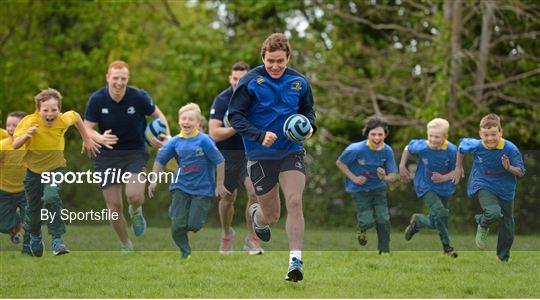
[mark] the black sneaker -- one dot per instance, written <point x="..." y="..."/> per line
<point x="263" y="232"/>
<point x="448" y="250"/>
<point x="411" y="229"/>
<point x="362" y="238"/>
<point x="295" y="273"/>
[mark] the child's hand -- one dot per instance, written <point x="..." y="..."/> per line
<point x="457" y="175"/>
<point x="505" y="162"/>
<point x="108" y="139"/>
<point x="151" y="189"/>
<point x="404" y="174"/>
<point x="437" y="177"/>
<point x="360" y="180"/>
<point x="91" y="148"/>
<point x="381" y="173"/>
<point x="157" y="144"/>
<point x="31" y="131"/>
<point x="269" y="139"/>
<point x="222" y="191"/>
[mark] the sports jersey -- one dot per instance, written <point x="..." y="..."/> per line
<point x="217" y="112"/>
<point x="11" y="167"/>
<point x="261" y="103"/>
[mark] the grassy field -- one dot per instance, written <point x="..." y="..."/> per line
<point x="336" y="270"/>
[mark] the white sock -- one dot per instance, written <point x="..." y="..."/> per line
<point x="295" y="253"/>
<point x="127" y="244"/>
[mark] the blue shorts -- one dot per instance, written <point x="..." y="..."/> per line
<point x="127" y="161"/>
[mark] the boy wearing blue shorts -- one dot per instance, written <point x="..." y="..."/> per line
<point x="496" y="164"/>
<point x="195" y="182"/>
<point x="432" y="180"/>
<point x="368" y="165"/>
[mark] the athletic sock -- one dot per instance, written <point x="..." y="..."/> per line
<point x="295" y="253"/>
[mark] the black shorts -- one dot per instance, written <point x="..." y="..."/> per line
<point x="127" y="161"/>
<point x="265" y="173"/>
<point x="235" y="171"/>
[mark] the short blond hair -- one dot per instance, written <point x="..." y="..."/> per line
<point x="491" y="120"/>
<point x="48" y="94"/>
<point x="439" y="123"/>
<point x="190" y="107"/>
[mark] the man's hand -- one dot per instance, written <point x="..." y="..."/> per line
<point x="269" y="139"/>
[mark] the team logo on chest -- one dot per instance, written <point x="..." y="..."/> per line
<point x="260" y="80"/>
<point x="199" y="152"/>
<point x="296" y="86"/>
<point x="425" y="161"/>
<point x="361" y="162"/>
<point x="104" y="111"/>
<point x="131" y="110"/>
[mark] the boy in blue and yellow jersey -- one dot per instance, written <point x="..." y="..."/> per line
<point x="12" y="198"/>
<point x="196" y="183"/>
<point x="432" y="180"/>
<point x="496" y="163"/>
<point x="42" y="134"/>
<point x="264" y="98"/>
<point x="368" y="165"/>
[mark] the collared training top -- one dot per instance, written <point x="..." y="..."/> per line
<point x="488" y="171"/>
<point x="261" y="103"/>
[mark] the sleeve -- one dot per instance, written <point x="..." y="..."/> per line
<point x="69" y="118"/>
<point x="306" y="107"/>
<point x="414" y="146"/>
<point x="467" y="145"/>
<point x="348" y="156"/>
<point x="148" y="106"/>
<point x="167" y="152"/>
<point x="212" y="151"/>
<point x="390" y="166"/>
<point x="516" y="159"/>
<point x="3" y="133"/>
<point x="23" y="126"/>
<point x="4" y="147"/>
<point x="238" y="111"/>
<point x="91" y="113"/>
<point x="217" y="111"/>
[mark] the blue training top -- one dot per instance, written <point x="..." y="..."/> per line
<point x="362" y="160"/>
<point x="126" y="119"/>
<point x="488" y="171"/>
<point x="430" y="160"/>
<point x="261" y="103"/>
<point x="217" y="112"/>
<point x="197" y="159"/>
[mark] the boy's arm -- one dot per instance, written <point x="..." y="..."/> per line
<point x="458" y="171"/>
<point x="345" y="170"/>
<point x="89" y="145"/>
<point x="517" y="171"/>
<point x="220" y="180"/>
<point x="404" y="174"/>
<point x="21" y="140"/>
<point x="158" y="168"/>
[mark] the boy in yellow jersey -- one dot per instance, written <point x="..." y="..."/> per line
<point x="3" y="134"/>
<point x="12" y="199"/>
<point x="42" y="134"/>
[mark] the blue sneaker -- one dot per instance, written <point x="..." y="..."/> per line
<point x="36" y="245"/>
<point x="138" y="222"/>
<point x="295" y="273"/>
<point x="263" y="232"/>
<point x="58" y="247"/>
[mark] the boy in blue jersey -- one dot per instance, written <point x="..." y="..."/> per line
<point x="230" y="145"/>
<point x="264" y="98"/>
<point x="432" y="180"/>
<point x="496" y="163"/>
<point x="368" y="165"/>
<point x="120" y="113"/>
<point x="196" y="183"/>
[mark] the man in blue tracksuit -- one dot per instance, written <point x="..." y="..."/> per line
<point x="264" y="98"/>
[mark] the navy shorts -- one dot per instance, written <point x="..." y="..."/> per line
<point x="127" y="161"/>
<point x="265" y="173"/>
<point x="235" y="171"/>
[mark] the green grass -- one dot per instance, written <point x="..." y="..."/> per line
<point x="339" y="272"/>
